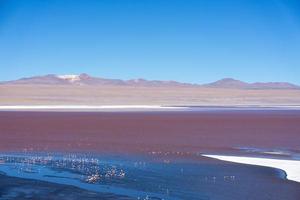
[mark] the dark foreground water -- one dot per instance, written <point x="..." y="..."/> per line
<point x="159" y="176"/>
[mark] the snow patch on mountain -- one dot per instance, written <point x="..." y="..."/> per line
<point x="71" y="78"/>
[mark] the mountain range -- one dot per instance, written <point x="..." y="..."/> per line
<point x="85" y="79"/>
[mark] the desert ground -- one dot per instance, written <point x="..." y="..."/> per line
<point x="129" y="95"/>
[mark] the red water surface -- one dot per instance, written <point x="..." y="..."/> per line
<point x="147" y="131"/>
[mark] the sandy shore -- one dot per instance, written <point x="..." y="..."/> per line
<point x="291" y="167"/>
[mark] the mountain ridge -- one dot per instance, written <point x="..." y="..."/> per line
<point x="85" y="79"/>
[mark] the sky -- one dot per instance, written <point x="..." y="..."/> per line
<point x="195" y="41"/>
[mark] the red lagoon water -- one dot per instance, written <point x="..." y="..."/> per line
<point x="149" y="131"/>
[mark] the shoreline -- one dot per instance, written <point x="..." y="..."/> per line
<point x="141" y="107"/>
<point x="89" y="108"/>
<point x="290" y="167"/>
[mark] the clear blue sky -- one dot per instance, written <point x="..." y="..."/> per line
<point x="189" y="40"/>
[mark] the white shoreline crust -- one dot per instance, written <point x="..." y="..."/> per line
<point x="136" y="107"/>
<point x="291" y="167"/>
<point x="89" y="107"/>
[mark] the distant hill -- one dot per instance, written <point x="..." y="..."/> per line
<point x="227" y="83"/>
<point x="237" y="84"/>
<point x="85" y="79"/>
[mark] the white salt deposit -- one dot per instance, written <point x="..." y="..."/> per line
<point x="87" y="107"/>
<point x="291" y="167"/>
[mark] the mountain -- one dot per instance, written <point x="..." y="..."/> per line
<point x="227" y="83"/>
<point x="274" y="85"/>
<point x="85" y="79"/>
<point x="52" y="79"/>
<point x="237" y="84"/>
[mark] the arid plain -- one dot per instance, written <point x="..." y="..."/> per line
<point x="12" y="94"/>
